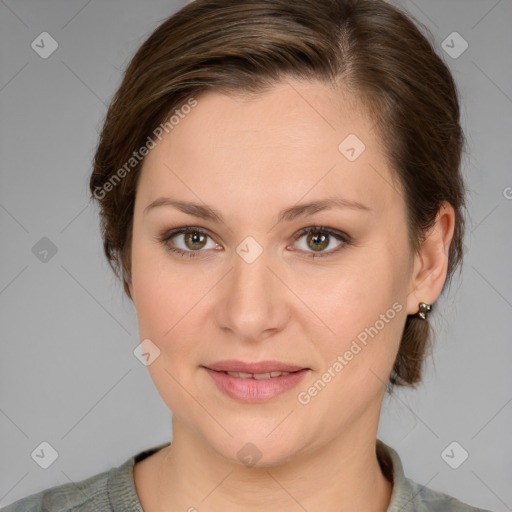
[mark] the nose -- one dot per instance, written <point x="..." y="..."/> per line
<point x="253" y="302"/>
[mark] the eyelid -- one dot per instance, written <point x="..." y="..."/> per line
<point x="168" y="235"/>
<point x="338" y="235"/>
<point x="323" y="229"/>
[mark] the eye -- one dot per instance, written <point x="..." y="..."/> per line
<point x="318" y="238"/>
<point x="193" y="239"/>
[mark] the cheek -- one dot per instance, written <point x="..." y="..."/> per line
<point x="159" y="289"/>
<point x="362" y="308"/>
<point x="169" y="298"/>
<point x="165" y="314"/>
<point x="354" y="294"/>
<point x="159" y="304"/>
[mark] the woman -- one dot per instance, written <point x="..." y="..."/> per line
<point x="280" y="192"/>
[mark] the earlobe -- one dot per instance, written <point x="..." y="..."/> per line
<point x="431" y="262"/>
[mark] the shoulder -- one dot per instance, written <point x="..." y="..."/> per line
<point x="110" y="491"/>
<point x="409" y="496"/>
<point x="424" y="499"/>
<point x="85" y="496"/>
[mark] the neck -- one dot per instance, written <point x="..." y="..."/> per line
<point x="340" y="476"/>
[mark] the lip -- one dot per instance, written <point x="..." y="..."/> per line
<point x="233" y="365"/>
<point x="255" y="390"/>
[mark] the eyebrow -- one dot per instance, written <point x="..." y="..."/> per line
<point x="287" y="215"/>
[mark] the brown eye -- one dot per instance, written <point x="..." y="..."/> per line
<point x="318" y="239"/>
<point x="187" y="241"/>
<point x="195" y="240"/>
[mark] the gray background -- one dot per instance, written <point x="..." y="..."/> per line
<point x="68" y="375"/>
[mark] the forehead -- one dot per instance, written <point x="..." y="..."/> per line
<point x="294" y="139"/>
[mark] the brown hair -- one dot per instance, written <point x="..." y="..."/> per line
<point x="368" y="47"/>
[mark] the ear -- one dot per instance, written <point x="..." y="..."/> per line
<point x="431" y="261"/>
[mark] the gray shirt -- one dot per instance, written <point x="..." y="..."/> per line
<point x="114" y="491"/>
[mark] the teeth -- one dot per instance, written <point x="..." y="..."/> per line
<point x="262" y="375"/>
<point x="259" y="376"/>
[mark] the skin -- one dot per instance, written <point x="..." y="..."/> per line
<point x="249" y="158"/>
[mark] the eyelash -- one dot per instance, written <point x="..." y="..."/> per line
<point x="342" y="237"/>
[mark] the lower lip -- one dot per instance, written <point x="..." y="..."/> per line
<point x="255" y="390"/>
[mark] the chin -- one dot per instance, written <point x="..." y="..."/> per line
<point x="254" y="449"/>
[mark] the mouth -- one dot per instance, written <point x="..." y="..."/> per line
<point x="256" y="368"/>
<point x="257" y="376"/>
<point x="266" y="381"/>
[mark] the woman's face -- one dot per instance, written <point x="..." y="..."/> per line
<point x="248" y="288"/>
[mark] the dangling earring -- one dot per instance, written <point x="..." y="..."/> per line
<point x="425" y="308"/>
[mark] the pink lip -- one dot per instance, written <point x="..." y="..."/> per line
<point x="255" y="390"/>
<point x="260" y="367"/>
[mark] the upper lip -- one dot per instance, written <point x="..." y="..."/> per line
<point x="256" y="367"/>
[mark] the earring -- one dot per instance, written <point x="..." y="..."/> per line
<point x="424" y="310"/>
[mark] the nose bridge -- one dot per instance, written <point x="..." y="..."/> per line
<point x="253" y="304"/>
